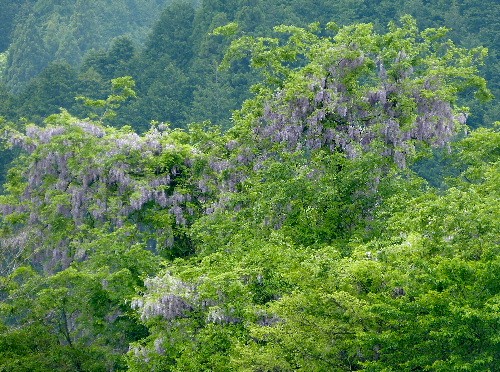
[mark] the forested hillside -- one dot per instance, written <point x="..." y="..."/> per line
<point x="61" y="51"/>
<point x="44" y="31"/>
<point x="237" y="191"/>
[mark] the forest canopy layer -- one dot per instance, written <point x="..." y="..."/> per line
<point x="299" y="239"/>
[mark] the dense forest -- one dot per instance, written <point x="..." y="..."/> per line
<point x="249" y="185"/>
<point x="61" y="50"/>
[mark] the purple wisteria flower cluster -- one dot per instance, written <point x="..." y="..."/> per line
<point x="390" y="107"/>
<point x="86" y="174"/>
<point x="168" y="297"/>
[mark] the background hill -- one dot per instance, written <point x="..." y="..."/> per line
<point x="59" y="50"/>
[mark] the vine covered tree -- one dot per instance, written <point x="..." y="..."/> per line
<point x="289" y="271"/>
<point x="297" y="240"/>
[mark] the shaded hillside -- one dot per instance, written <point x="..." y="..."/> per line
<point x="46" y="31"/>
<point x="177" y="75"/>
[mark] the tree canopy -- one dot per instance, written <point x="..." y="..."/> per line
<point x="299" y="239"/>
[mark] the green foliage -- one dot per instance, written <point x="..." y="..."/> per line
<point x="177" y="66"/>
<point x="51" y="31"/>
<point x="445" y="259"/>
<point x="121" y="91"/>
<point x="418" y="292"/>
<point x="77" y="319"/>
<point x="227" y="30"/>
<point x="324" y="260"/>
<point x="296" y="240"/>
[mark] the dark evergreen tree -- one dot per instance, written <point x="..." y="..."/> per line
<point x="171" y="35"/>
<point x="50" y="31"/>
<point x="52" y="89"/>
<point x="10" y="10"/>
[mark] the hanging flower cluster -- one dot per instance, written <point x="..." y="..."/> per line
<point x="346" y="111"/>
<point x="87" y="166"/>
<point x="83" y="173"/>
<point x="167" y="297"/>
<point x="357" y="90"/>
<point x="170" y="298"/>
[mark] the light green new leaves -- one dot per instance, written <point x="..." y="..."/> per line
<point x="122" y="90"/>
